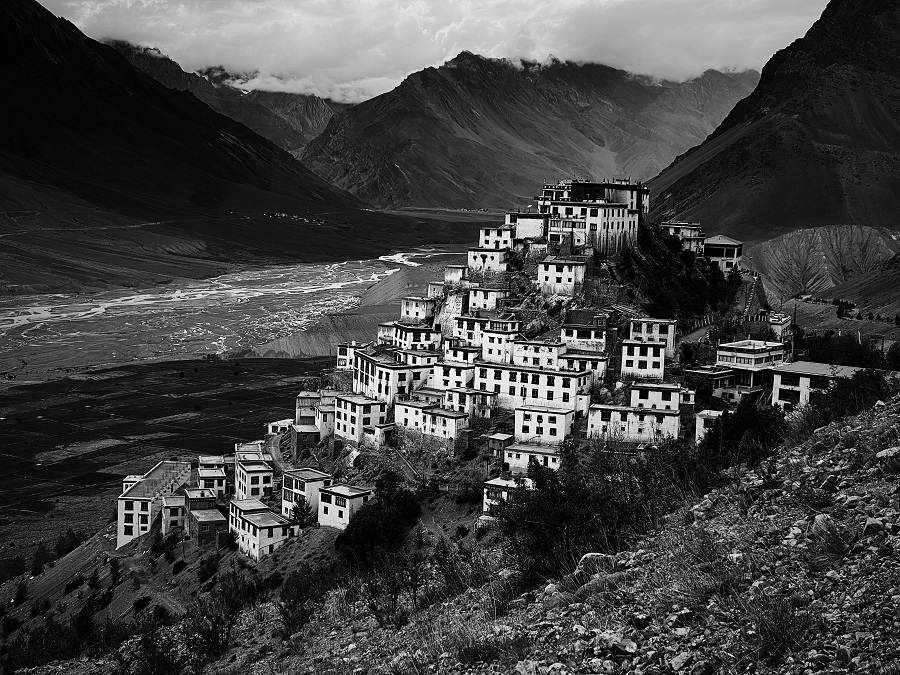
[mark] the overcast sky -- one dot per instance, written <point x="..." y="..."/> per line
<point x="356" y="49"/>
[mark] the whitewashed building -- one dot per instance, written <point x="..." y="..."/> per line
<point x="499" y="490"/>
<point x="496" y="237"/>
<point x="488" y="260"/>
<point x="724" y="252"/>
<point x="338" y="503"/>
<point x="258" y="531"/>
<point x="470" y="329"/>
<point x="528" y="224"/>
<point x="537" y="353"/>
<point x="518" y="386"/>
<point x="452" y="374"/>
<point x="353" y="412"/>
<point x="587" y="337"/>
<point x="431" y="420"/>
<point x="751" y="363"/>
<point x="519" y="455"/>
<point x="540" y="425"/>
<point x="705" y="421"/>
<point x="252" y="479"/>
<point x="415" y="308"/>
<point x="142" y="498"/>
<point x="474" y="402"/>
<point x="794" y="383"/>
<point x="659" y="395"/>
<point x="643" y="360"/>
<point x="655" y="330"/>
<point x="637" y="425"/>
<point x="561" y="276"/>
<point x="345" y="353"/>
<point x="388" y="375"/>
<point x="482" y="298"/>
<point x="456" y="275"/>
<point x="689" y="234"/>
<point x="302" y="485"/>
<point x="212" y="479"/>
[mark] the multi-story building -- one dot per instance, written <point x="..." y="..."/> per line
<point x="643" y="360"/>
<point x="388" y="375"/>
<point x="537" y="353"/>
<point x="655" y="330"/>
<point x="497" y="344"/>
<point x="658" y="395"/>
<point x="635" y="425"/>
<point x="751" y="362"/>
<point x="354" y="412"/>
<point x="258" y="531"/>
<point x="518" y="456"/>
<point x="705" y="421"/>
<point x="482" y="298"/>
<point x="302" y="485"/>
<point x="496" y="237"/>
<point x="408" y="336"/>
<point x="488" y="260"/>
<point x="540" y="425"/>
<point x="338" y="503"/>
<point x="346" y="351"/>
<point x="173" y="513"/>
<point x="528" y="224"/>
<point x="587" y="337"/>
<point x="499" y="490"/>
<point x="580" y="360"/>
<point x="689" y="234"/>
<point x="456" y="275"/>
<point x="415" y="308"/>
<point x="252" y="479"/>
<point x="452" y="374"/>
<point x="561" y="276"/>
<point x="474" y="402"/>
<point x="724" y="252"/>
<point x="204" y="526"/>
<point x="470" y="329"/>
<point x="518" y="386"/>
<point x="794" y="383"/>
<point x="324" y="419"/>
<point x="142" y="498"/>
<point x="431" y="420"/>
<point x="212" y="479"/>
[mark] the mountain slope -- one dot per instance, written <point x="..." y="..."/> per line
<point x="485" y="132"/>
<point x="109" y="177"/>
<point x="817" y="143"/>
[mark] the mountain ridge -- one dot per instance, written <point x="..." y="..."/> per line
<point x="483" y="132"/>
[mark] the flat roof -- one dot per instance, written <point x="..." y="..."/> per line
<point x="212" y="459"/>
<point x="563" y="261"/>
<point x="657" y="385"/>
<point x="307" y="428"/>
<point x="544" y="409"/>
<point x="357" y="398"/>
<point x="710" y="413"/>
<point x="816" y="369"/>
<point x="253" y="467"/>
<point x="628" y="408"/>
<point x="470" y="390"/>
<point x="751" y="344"/>
<point x="415" y="404"/>
<point x="508" y="482"/>
<point x="444" y="412"/>
<point x="309" y="394"/>
<point x="600" y="356"/>
<point x="211" y="473"/>
<point x="500" y="437"/>
<point x="533" y="369"/>
<point x="655" y="343"/>
<point x="208" y="516"/>
<point x="307" y="473"/>
<point x="557" y="343"/>
<point x="721" y="240"/>
<point x="249" y="505"/>
<point x="343" y="490"/>
<point x="268" y="519"/>
<point x="199" y="493"/>
<point x="156" y="478"/>
<point x="173" y="500"/>
<point x="650" y="318"/>
<point x="533" y="448"/>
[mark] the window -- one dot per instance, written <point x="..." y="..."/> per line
<point x="129" y="530"/>
<point x="129" y="506"/>
<point x="254" y="480"/>
<point x="129" y="517"/>
<point x="144" y="506"/>
<point x="325" y="510"/>
<point x="143" y="519"/>
<point x="525" y="429"/>
<point x="644" y="394"/>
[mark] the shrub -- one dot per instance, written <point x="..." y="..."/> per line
<point x="40" y="558"/>
<point x="10" y="623"/>
<point x="777" y="625"/>
<point x="68" y="542"/>
<point x="178" y="566"/>
<point x="140" y="603"/>
<point x="208" y="566"/>
<point x="21" y="593"/>
<point x="73" y="583"/>
<point x="303" y="591"/>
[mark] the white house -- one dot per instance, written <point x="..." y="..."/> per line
<point x="305" y="406"/>
<point x="299" y="485"/>
<point x="793" y="383"/>
<point x="540" y="425"/>
<point x="212" y="479"/>
<point x="581" y="360"/>
<point x="724" y="252"/>
<point x="488" y="260"/>
<point x="353" y="412"/>
<point x="499" y="490"/>
<point x="252" y="479"/>
<point x="751" y="362"/>
<point x="496" y="237"/>
<point x="142" y="498"/>
<point x="470" y="329"/>
<point x="450" y="374"/>
<point x="497" y="344"/>
<point x="258" y="531"/>
<point x="537" y="353"/>
<point x="481" y="298"/>
<point x="173" y="513"/>
<point x="654" y="330"/>
<point x="408" y="336"/>
<point x="324" y="420"/>
<point x="519" y="455"/>
<point x="345" y="353"/>
<point x="473" y="402"/>
<point x="518" y="386"/>
<point x="561" y="276"/>
<point x="705" y="420"/>
<point x="658" y="395"/>
<point x="529" y="225"/>
<point x="583" y="336"/>
<point x="415" y="308"/>
<point x="431" y="420"/>
<point x="689" y="234"/>
<point x="338" y="503"/>
<point x="388" y="375"/>
<point x="637" y="425"/>
<point x="456" y="275"/>
<point x="643" y="360"/>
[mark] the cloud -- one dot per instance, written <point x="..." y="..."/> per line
<point x="355" y="49"/>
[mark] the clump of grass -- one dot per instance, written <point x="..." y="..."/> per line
<point x="777" y="626"/>
<point x="466" y="641"/>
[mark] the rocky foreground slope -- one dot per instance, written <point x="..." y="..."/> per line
<point x="789" y="568"/>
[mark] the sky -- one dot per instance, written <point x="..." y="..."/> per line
<point x="352" y="50"/>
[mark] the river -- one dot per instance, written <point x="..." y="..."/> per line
<point x="47" y="335"/>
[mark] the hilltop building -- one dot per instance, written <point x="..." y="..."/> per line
<point x="142" y="498"/>
<point x="724" y="252"/>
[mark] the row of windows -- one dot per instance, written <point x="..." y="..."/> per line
<point x="523" y="392"/>
<point x="538" y="430"/>
<point x="643" y="350"/>
<point x="524" y="377"/>
<point x="129" y="506"/>
<point x="642" y="365"/>
<point x="645" y="394"/>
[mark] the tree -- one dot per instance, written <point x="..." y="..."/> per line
<point x="40" y="558"/>
<point x="21" y="594"/>
<point x="302" y="512"/>
<point x="114" y="569"/>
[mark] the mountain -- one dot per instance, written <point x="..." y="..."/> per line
<point x="288" y="120"/>
<point x="107" y="177"/>
<point x="817" y="143"/>
<point x="485" y="132"/>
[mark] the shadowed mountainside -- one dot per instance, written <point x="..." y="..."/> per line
<point x="110" y="178"/>
<point x="485" y="132"/>
<point x="816" y="144"/>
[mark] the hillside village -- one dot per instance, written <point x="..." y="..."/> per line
<point x="525" y="346"/>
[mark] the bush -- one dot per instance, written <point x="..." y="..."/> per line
<point x="178" y="566"/>
<point x="208" y="566"/>
<point x="40" y="558"/>
<point x="68" y="542"/>
<point x="777" y="625"/>
<point x="73" y="583"/>
<point x="140" y="603"/>
<point x="303" y="591"/>
<point x="11" y="623"/>
<point x="21" y="593"/>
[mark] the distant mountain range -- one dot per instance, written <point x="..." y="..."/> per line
<point x="109" y="177"/>
<point x="288" y="120"/>
<point x="481" y="132"/>
<point x="816" y="144"/>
